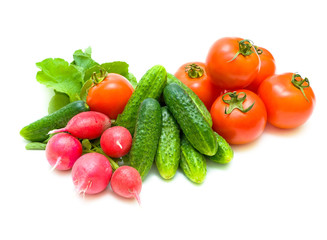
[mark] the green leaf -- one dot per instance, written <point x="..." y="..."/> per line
<point x="35" y="146"/>
<point x="116" y="67"/>
<point x="85" y="89"/>
<point x="63" y="77"/>
<point x="83" y="59"/>
<point x="58" y="101"/>
<point x="132" y="79"/>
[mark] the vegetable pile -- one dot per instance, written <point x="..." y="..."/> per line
<point x="110" y="128"/>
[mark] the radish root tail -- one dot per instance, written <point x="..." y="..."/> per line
<point x="83" y="191"/>
<point x="58" y="130"/>
<point x="137" y="197"/>
<point x="56" y="164"/>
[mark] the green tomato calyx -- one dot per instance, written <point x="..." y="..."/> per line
<point x="194" y="71"/>
<point x="98" y="77"/>
<point x="246" y="48"/>
<point x="236" y="101"/>
<point x="300" y="83"/>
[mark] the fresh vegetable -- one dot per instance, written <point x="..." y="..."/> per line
<point x="289" y="99"/>
<point x="71" y="81"/>
<point x="197" y="101"/>
<point x="150" y="86"/>
<point x="91" y="173"/>
<point x="232" y="63"/>
<point x="267" y="68"/>
<point x="194" y="75"/>
<point x="86" y="125"/>
<point x="168" y="152"/>
<point x="110" y="95"/>
<point x="84" y="59"/>
<point x="190" y="119"/>
<point x="126" y="182"/>
<point x="146" y="136"/>
<point x="239" y="117"/>
<point x="38" y="130"/>
<point x="61" y="76"/>
<point x="192" y="162"/>
<point x="62" y="151"/>
<point x="116" y="141"/>
<point x="224" y="154"/>
<point x="58" y="100"/>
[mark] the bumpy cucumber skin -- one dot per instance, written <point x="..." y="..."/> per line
<point x="224" y="154"/>
<point x="197" y="101"/>
<point x="146" y="136"/>
<point x="38" y="130"/>
<point x="168" y="152"/>
<point x="190" y="120"/>
<point x="151" y="85"/>
<point x="192" y="162"/>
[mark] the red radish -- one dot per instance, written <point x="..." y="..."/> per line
<point x="91" y="173"/>
<point x="62" y="151"/>
<point x="86" y="125"/>
<point x="126" y="182"/>
<point x="116" y="141"/>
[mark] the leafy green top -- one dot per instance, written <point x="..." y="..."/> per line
<point x="71" y="82"/>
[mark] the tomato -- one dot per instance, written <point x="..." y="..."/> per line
<point x="110" y="95"/>
<point x="232" y="63"/>
<point x="267" y="68"/>
<point x="289" y="99"/>
<point x="240" y="116"/>
<point x="194" y="76"/>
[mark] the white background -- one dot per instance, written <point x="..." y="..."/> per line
<point x="275" y="187"/>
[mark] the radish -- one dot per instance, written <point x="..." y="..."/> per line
<point x="86" y="125"/>
<point x="126" y="182"/>
<point x="91" y="173"/>
<point x="62" y="151"/>
<point x="116" y="141"/>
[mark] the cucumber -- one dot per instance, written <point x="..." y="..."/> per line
<point x="224" y="154"/>
<point x="194" y="126"/>
<point x="168" y="152"/>
<point x="192" y="162"/>
<point x="197" y="101"/>
<point x="146" y="136"/>
<point x="38" y="130"/>
<point x="151" y="85"/>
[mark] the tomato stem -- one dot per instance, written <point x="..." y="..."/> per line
<point x="300" y="84"/>
<point x="235" y="101"/>
<point x="98" y="77"/>
<point x="194" y="71"/>
<point x="245" y="48"/>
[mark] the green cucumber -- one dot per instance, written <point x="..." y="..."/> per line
<point x="151" y="85"/>
<point x="197" y="101"/>
<point x="146" y="136"/>
<point x="168" y="152"/>
<point x="224" y="154"/>
<point x="192" y="162"/>
<point x="194" y="126"/>
<point x="38" y="130"/>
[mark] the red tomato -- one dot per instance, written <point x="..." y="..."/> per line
<point x="289" y="99"/>
<point x="232" y="63"/>
<point x="194" y="76"/>
<point x="267" y="69"/>
<point x="239" y="117"/>
<point x="110" y="95"/>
